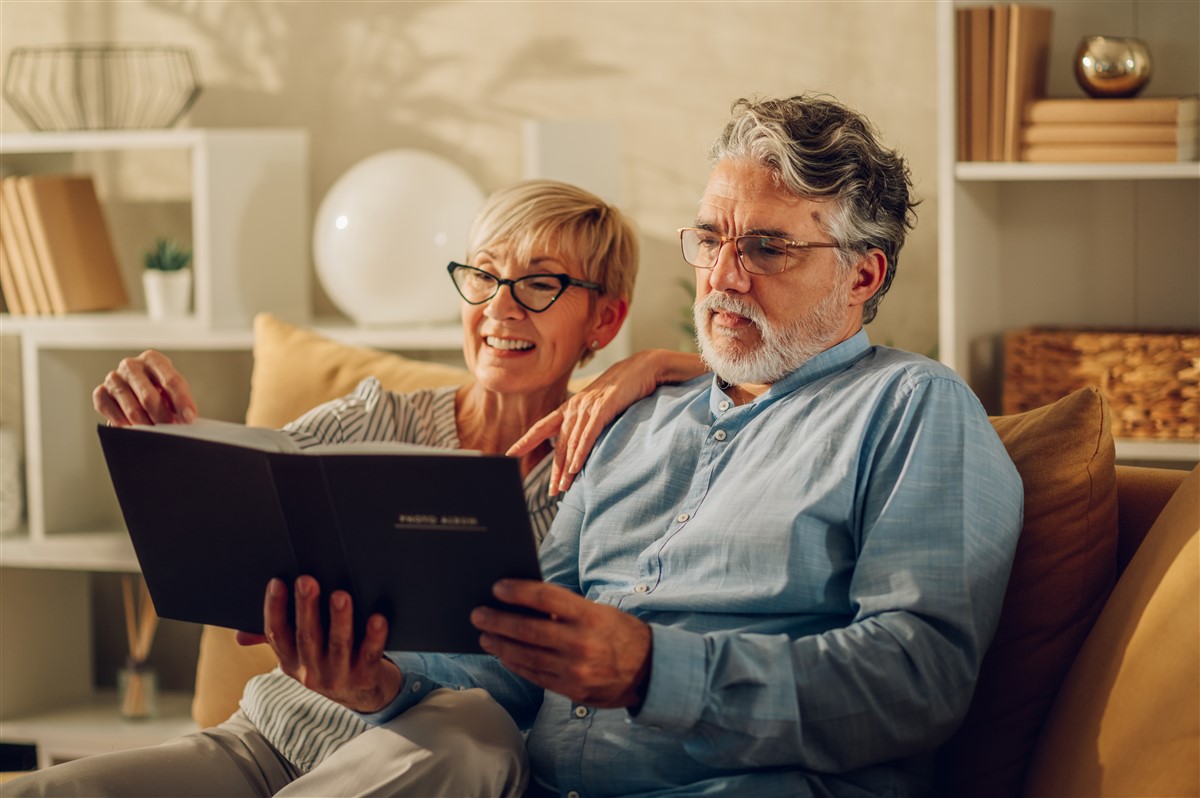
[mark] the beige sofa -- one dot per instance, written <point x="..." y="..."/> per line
<point x="1092" y="686"/>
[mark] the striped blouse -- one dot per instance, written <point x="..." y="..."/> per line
<point x="303" y="726"/>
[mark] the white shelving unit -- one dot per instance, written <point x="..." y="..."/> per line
<point x="1088" y="245"/>
<point x="248" y="220"/>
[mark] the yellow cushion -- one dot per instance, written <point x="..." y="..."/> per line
<point x="294" y="370"/>
<point x="1064" y="569"/>
<point x="222" y="670"/>
<point x="1127" y="720"/>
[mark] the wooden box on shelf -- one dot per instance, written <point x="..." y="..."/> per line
<point x="1151" y="378"/>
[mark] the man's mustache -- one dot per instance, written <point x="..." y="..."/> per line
<point x="728" y="304"/>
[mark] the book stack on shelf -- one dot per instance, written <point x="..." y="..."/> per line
<point x="1151" y="129"/>
<point x="1002" y="61"/>
<point x="56" y="254"/>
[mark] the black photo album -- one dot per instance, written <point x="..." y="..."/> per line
<point x="419" y="534"/>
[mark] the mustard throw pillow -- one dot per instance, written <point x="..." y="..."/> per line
<point x="1063" y="571"/>
<point x="294" y="370"/>
<point x="1127" y="720"/>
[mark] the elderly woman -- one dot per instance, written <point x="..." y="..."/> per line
<point x="546" y="283"/>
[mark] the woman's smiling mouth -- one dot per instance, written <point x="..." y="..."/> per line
<point x="507" y="344"/>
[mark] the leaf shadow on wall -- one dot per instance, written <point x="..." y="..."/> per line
<point x="366" y="77"/>
<point x="370" y="81"/>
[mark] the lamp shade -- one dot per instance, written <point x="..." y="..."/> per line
<point x="384" y="233"/>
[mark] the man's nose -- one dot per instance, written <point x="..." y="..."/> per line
<point x="727" y="273"/>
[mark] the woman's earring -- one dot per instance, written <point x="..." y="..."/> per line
<point x="595" y="344"/>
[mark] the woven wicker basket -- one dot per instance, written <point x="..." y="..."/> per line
<point x="1151" y="379"/>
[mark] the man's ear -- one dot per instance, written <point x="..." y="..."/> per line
<point x="611" y="313"/>
<point x="867" y="276"/>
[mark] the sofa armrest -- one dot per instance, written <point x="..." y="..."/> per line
<point x="1142" y="492"/>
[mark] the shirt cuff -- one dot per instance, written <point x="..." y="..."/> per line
<point x="415" y="687"/>
<point x="675" y="695"/>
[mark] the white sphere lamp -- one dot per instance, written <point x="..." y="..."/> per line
<point x="386" y="230"/>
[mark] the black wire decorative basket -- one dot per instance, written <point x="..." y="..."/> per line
<point x="101" y="86"/>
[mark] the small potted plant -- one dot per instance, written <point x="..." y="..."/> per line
<point x="167" y="280"/>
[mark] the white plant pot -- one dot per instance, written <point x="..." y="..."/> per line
<point x="168" y="294"/>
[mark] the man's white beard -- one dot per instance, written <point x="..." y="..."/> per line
<point x="780" y="350"/>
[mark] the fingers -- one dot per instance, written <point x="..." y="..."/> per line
<point x="585" y="418"/>
<point x="340" y="650"/>
<point x="547" y="678"/>
<point x="585" y="415"/>
<point x="341" y="653"/>
<point x="542" y="431"/>
<point x="558" y="482"/>
<point x="108" y="407"/>
<point x="310" y="634"/>
<point x="583" y="437"/>
<point x="172" y="384"/>
<point x="530" y="661"/>
<point x="136" y="381"/>
<point x="122" y="399"/>
<point x="145" y="390"/>
<point x="552" y="600"/>
<point x="249" y="638"/>
<point x="582" y="448"/>
<point x="327" y="661"/>
<point x="574" y="412"/>
<point x="276" y="627"/>
<point x="371" y="648"/>
<point x="591" y="653"/>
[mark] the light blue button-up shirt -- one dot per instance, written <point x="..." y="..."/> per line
<point x="822" y="569"/>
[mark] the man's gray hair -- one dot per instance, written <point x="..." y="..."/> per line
<point x="821" y="150"/>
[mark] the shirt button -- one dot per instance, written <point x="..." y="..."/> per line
<point x="719" y="434"/>
<point x="581" y="712"/>
<point x="416" y="688"/>
<point x="682" y="517"/>
<point x="640" y="588"/>
<point x="724" y="405"/>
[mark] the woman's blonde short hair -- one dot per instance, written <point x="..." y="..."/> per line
<point x="567" y="221"/>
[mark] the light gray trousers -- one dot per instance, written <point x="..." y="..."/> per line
<point x="454" y="743"/>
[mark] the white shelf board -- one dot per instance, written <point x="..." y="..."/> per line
<point x="124" y="330"/>
<point x="992" y="171"/>
<point x="114" y="140"/>
<point x="75" y="551"/>
<point x="1166" y="451"/>
<point x="96" y="727"/>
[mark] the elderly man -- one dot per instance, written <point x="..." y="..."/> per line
<point x="778" y="580"/>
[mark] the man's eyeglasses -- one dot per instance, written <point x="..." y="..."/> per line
<point x="534" y="292"/>
<point x="756" y="254"/>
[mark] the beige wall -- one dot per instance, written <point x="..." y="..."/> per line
<point x="458" y="78"/>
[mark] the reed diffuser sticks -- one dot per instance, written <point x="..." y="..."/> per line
<point x="141" y="621"/>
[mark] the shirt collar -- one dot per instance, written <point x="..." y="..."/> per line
<point x="834" y="359"/>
